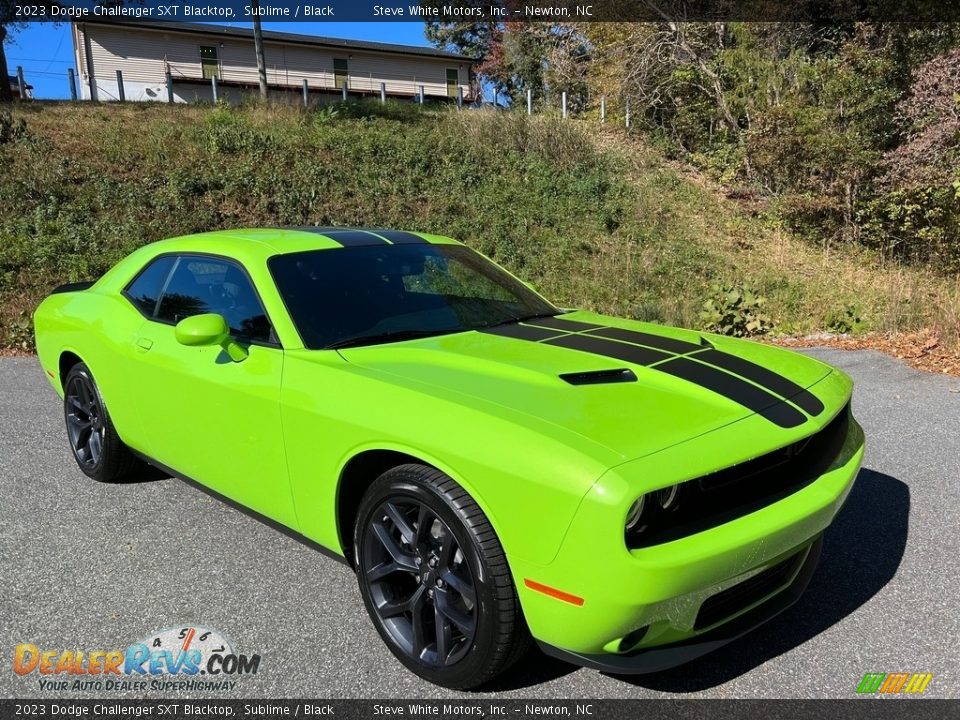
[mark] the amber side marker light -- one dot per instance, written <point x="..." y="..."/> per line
<point x="553" y="592"/>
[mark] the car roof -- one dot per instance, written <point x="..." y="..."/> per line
<point x="249" y="242"/>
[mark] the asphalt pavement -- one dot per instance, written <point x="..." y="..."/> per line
<point x="87" y="566"/>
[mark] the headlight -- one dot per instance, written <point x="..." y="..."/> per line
<point x="635" y="513"/>
<point x="648" y="509"/>
<point x="667" y="497"/>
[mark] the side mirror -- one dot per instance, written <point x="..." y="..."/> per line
<point x="208" y="329"/>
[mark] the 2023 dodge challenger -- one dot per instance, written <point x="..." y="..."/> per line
<point x="494" y="468"/>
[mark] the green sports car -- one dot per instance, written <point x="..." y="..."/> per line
<point x="495" y="469"/>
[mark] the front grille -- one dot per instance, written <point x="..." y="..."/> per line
<point x="733" y="492"/>
<point x="752" y="590"/>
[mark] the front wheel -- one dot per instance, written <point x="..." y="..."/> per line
<point x="435" y="579"/>
<point x="96" y="447"/>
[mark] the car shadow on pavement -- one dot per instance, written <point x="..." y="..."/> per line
<point x="145" y="474"/>
<point x="861" y="553"/>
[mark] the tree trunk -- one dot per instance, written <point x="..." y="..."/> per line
<point x="6" y="94"/>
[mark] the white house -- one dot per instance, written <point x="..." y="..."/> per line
<point x="193" y="54"/>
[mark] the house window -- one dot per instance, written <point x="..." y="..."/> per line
<point x="209" y="62"/>
<point x="453" y="82"/>
<point x="340" y="72"/>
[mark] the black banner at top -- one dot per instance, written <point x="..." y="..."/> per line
<point x="219" y="11"/>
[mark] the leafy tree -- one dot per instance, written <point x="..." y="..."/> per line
<point x="517" y="56"/>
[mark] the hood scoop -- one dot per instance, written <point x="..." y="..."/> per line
<point x="599" y="377"/>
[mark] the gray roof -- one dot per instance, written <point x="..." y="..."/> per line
<point x="295" y="38"/>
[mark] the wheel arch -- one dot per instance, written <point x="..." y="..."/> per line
<point x="365" y="466"/>
<point x="68" y="358"/>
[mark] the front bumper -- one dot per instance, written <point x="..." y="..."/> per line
<point x="663" y="657"/>
<point x="644" y="609"/>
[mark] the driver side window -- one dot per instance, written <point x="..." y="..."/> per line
<point x="200" y="284"/>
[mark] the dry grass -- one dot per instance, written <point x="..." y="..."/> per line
<point x="595" y="218"/>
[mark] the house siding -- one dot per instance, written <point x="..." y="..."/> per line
<point x="143" y="55"/>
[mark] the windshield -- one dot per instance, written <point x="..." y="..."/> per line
<point x="384" y="293"/>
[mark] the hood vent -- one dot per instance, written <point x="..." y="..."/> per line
<point x="600" y="377"/>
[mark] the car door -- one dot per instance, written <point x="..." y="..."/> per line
<point x="206" y="416"/>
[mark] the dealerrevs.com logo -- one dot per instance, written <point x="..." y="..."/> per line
<point x="900" y="683"/>
<point x="187" y="658"/>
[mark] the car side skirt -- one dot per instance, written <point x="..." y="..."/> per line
<point x="269" y="522"/>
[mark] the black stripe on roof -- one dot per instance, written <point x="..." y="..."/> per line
<point x="401" y="237"/>
<point x="765" y="378"/>
<point x="354" y="238"/>
<point x="348" y="237"/>
<point x="740" y="391"/>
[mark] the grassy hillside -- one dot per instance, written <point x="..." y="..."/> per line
<point x="593" y="219"/>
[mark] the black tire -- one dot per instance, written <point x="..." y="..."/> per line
<point x="445" y="567"/>
<point x="98" y="450"/>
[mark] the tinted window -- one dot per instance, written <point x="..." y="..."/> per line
<point x="210" y="285"/>
<point x="145" y="290"/>
<point x="376" y="292"/>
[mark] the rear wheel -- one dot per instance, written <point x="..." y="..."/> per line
<point x="96" y="447"/>
<point x="435" y="580"/>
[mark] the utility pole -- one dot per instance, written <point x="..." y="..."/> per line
<point x="258" y="47"/>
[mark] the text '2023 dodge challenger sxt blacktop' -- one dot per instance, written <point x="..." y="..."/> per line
<point x="495" y="469"/>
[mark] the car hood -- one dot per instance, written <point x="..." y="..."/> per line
<point x="631" y="387"/>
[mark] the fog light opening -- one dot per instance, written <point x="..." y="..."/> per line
<point x="632" y="639"/>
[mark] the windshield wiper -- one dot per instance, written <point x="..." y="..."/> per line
<point x="385" y="337"/>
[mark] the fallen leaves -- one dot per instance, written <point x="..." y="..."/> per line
<point x="921" y="350"/>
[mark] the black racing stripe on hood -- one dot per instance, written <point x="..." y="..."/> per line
<point x="768" y="379"/>
<point x="563" y="324"/>
<point x="660" y="342"/>
<point x="610" y="348"/>
<point x="732" y="387"/>
<point x="401" y="237"/>
<point x="521" y="332"/>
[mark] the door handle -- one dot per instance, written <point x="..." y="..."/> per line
<point x="144" y="343"/>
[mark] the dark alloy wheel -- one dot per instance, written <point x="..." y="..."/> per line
<point x="97" y="448"/>
<point x="84" y="420"/>
<point x="422" y="589"/>
<point x="434" y="579"/>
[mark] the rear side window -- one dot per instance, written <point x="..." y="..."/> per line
<point x="145" y="290"/>
<point x="201" y="284"/>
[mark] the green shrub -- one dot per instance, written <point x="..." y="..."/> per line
<point x="735" y="310"/>
<point x="844" y="322"/>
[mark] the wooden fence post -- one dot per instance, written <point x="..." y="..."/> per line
<point x="121" y="95"/>
<point x="169" y="87"/>
<point x="306" y="93"/>
<point x="21" y="84"/>
<point x="71" y="78"/>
